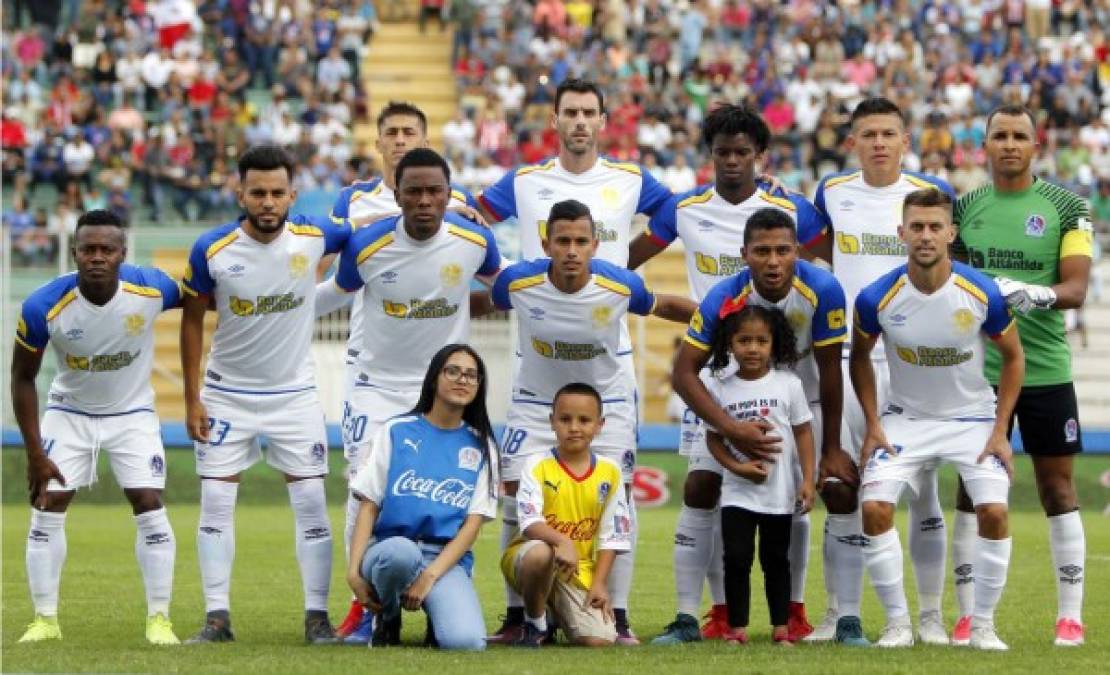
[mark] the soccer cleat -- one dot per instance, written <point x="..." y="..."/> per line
<point x="961" y="633"/>
<point x="780" y="636"/>
<point x="317" y="628"/>
<point x="363" y="632"/>
<point x="797" y="624"/>
<point x="716" y="623"/>
<point x="159" y="630"/>
<point x="930" y="629"/>
<point x="849" y="631"/>
<point x="625" y="636"/>
<point x="42" y="628"/>
<point x="683" y="629"/>
<point x="529" y="637"/>
<point x="387" y="632"/>
<point x="736" y="636"/>
<point x="1069" y="633"/>
<point x="983" y="637"/>
<point x="896" y="635"/>
<point x="217" y="628"/>
<point x="826" y="630"/>
<point x="353" y="620"/>
<point x="511" y="628"/>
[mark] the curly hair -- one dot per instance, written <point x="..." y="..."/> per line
<point x="784" y="350"/>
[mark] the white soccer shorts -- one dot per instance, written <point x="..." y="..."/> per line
<point x="133" y="442"/>
<point x="364" y="412"/>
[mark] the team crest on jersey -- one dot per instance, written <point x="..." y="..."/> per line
<point x="450" y="274"/>
<point x="134" y="324"/>
<point x="157" y="466"/>
<point x="610" y="196"/>
<point x="797" y="320"/>
<point x="1034" y="226"/>
<point x="470" y="458"/>
<point x="319" y="453"/>
<point x="603" y="492"/>
<point x="964" y="321"/>
<point x="298" y="265"/>
<point x="601" y="315"/>
<point x="696" y="321"/>
<point x="1071" y="430"/>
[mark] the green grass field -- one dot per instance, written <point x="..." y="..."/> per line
<point x="102" y="606"/>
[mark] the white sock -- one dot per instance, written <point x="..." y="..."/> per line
<point x="928" y="543"/>
<point x="884" y="564"/>
<point x="846" y="542"/>
<point x="540" y="623"/>
<point x="964" y="534"/>
<point x="693" y="545"/>
<point x="799" y="556"/>
<point x="1069" y="551"/>
<point x="715" y="575"/>
<point x="992" y="561"/>
<point x="509" y="531"/>
<point x="156" y="551"/>
<point x="216" y="541"/>
<point x="620" y="577"/>
<point x="46" y="553"/>
<point x="349" y="518"/>
<point x="313" y="533"/>
<point x="827" y="568"/>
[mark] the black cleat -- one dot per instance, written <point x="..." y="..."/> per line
<point x="317" y="628"/>
<point x="512" y="627"/>
<point x="387" y="632"/>
<point x="530" y="637"/>
<point x="217" y="628"/>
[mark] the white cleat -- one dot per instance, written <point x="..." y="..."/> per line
<point x="984" y="637"/>
<point x="930" y="629"/>
<point x="896" y="636"/>
<point x="826" y="630"/>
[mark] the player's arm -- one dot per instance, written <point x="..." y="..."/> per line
<point x="1009" y="387"/>
<point x="498" y="202"/>
<point x="1075" y="278"/>
<point x="661" y="231"/>
<point x="753" y="470"/>
<point x="25" y="403"/>
<point x="863" y="382"/>
<point x="803" y="439"/>
<point x="1074" y="269"/>
<point x="192" y="342"/>
<point x="481" y="304"/>
<point x="331" y="294"/>
<point x="360" y="539"/>
<point x="673" y="308"/>
<point x="834" y="460"/>
<point x="643" y="248"/>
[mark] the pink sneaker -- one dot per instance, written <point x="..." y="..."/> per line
<point x="1069" y="633"/>
<point x="961" y="634"/>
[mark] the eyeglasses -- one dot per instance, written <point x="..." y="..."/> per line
<point x="457" y="374"/>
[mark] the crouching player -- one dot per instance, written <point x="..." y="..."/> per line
<point x="932" y="314"/>
<point x="573" y="520"/>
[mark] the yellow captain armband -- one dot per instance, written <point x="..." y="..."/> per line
<point x="1079" y="241"/>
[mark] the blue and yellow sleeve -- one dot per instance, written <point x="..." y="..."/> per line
<point x="704" y="321"/>
<point x="171" y="291"/>
<point x="341" y="209"/>
<point x="197" y="279"/>
<point x="31" y="331"/>
<point x="867" y="311"/>
<point x="348" y="277"/>
<point x="819" y="209"/>
<point x="829" y="318"/>
<point x="500" y="198"/>
<point x="492" y="261"/>
<point x="663" y="226"/>
<point x="502" y="299"/>
<point x="653" y="194"/>
<point x="811" y="227"/>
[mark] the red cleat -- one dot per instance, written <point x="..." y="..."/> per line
<point x="351" y="622"/>
<point x="797" y="625"/>
<point x="735" y="636"/>
<point x="961" y="632"/>
<point x="1069" y="633"/>
<point x="716" y="623"/>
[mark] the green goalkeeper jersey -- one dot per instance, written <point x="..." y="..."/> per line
<point x="1023" y="236"/>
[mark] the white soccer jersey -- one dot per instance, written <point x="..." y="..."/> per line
<point x="864" y="222"/>
<point x="777" y="397"/>
<point x="712" y="230"/>
<point x="566" y="338"/>
<point x="934" y="343"/>
<point x="104" y="353"/>
<point x="367" y="202"/>
<point x="416" y="294"/>
<point x="265" y="298"/>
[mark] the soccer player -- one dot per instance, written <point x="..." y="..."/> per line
<point x="570" y="310"/>
<point x="710" y="221"/>
<point x="934" y="314"/>
<point x="1035" y="239"/>
<point x="574" y="521"/>
<point x="813" y="302"/>
<point x="862" y="210"/>
<point x="259" y="273"/>
<point x="614" y="193"/>
<point x="100" y="321"/>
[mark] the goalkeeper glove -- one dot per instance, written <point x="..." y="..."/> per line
<point x="1024" y="298"/>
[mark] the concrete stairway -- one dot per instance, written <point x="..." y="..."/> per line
<point x="1091" y="366"/>
<point x="166" y="378"/>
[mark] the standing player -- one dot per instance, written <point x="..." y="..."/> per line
<point x="614" y="193"/>
<point x="862" y="210"/>
<point x="100" y="321"/>
<point x="813" y="302"/>
<point x="258" y="271"/>
<point x="570" y="309"/>
<point x="1036" y="240"/>
<point x="934" y="314"/>
<point x="710" y="221"/>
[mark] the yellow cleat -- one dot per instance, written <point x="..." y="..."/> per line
<point x="159" y="631"/>
<point x="42" y="628"/>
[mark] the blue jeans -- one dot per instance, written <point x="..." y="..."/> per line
<point x="393" y="564"/>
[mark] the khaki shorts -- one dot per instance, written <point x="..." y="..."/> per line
<point x="565" y="602"/>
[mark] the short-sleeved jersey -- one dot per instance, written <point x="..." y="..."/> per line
<point x="863" y="221"/>
<point x="712" y="230"/>
<point x="104" y="352"/>
<point x="569" y="337"/>
<point x="1023" y="236"/>
<point x="415" y="294"/>
<point x="814" y="306"/>
<point x="367" y="202"/>
<point x="777" y="398"/>
<point x="590" y="509"/>
<point x="935" y="342"/>
<point x="265" y="298"/>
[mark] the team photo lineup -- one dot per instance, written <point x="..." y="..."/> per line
<point x="838" y="350"/>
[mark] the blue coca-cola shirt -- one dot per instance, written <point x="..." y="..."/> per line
<point x="426" y="480"/>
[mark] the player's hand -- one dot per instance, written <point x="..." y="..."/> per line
<point x="598" y="597"/>
<point x="566" y="558"/>
<point x="756" y="471"/>
<point x="196" y="421"/>
<point x="806" y="495"/>
<point x="470" y="213"/>
<point x="874" y="440"/>
<point x="1024" y="298"/>
<point x="754" y="439"/>
<point x="412" y="598"/>
<point x="40" y="471"/>
<point x="364" y="592"/>
<point x="773" y="183"/>
<point x="835" y="463"/>
<point x="998" y="446"/>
